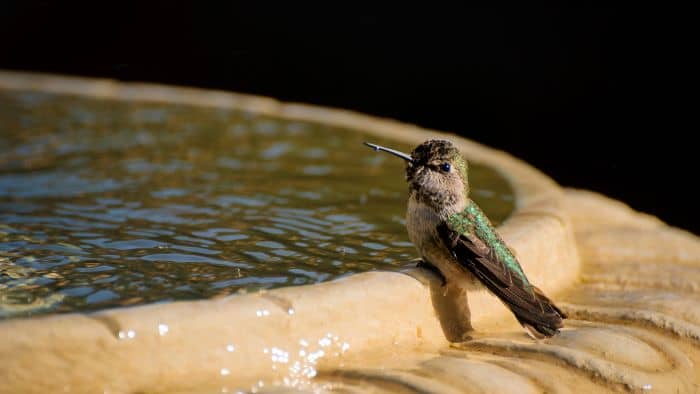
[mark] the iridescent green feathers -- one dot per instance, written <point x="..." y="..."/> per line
<point x="475" y="245"/>
<point x="474" y="221"/>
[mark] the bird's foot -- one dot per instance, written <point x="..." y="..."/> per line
<point x="425" y="265"/>
<point x="462" y="342"/>
<point x="466" y="338"/>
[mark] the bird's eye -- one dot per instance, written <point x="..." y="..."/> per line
<point x="445" y="167"/>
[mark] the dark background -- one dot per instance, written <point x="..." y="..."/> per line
<point x="593" y="97"/>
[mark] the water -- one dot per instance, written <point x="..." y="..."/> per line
<point x="106" y="203"/>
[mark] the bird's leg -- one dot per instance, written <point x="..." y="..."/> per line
<point x="450" y="302"/>
<point x="456" y="313"/>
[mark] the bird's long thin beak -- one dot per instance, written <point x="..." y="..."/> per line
<point x="392" y="151"/>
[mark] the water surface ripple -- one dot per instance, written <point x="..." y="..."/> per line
<point x="108" y="203"/>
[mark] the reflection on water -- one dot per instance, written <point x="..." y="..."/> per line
<point x="106" y="203"/>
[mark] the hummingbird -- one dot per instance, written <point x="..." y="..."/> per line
<point x="453" y="235"/>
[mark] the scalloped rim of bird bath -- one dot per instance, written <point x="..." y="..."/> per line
<point x="287" y="333"/>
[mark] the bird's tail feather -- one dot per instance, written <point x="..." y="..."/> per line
<point x="541" y="323"/>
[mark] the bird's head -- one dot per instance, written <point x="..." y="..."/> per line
<point x="436" y="173"/>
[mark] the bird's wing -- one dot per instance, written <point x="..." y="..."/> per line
<point x="530" y="306"/>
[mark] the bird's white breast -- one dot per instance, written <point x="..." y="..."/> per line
<point x="422" y="222"/>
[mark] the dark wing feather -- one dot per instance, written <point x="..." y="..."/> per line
<point x="531" y="307"/>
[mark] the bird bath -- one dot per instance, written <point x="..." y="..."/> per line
<point x="107" y="203"/>
<point x="208" y="207"/>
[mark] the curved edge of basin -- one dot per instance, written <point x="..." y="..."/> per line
<point x="285" y="334"/>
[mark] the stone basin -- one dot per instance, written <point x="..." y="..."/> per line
<point x="628" y="282"/>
